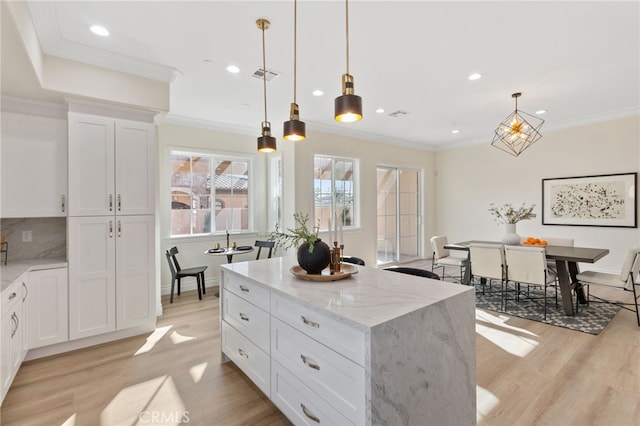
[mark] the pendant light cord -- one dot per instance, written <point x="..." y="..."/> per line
<point x="295" y="47"/>
<point x="347" y="32"/>
<point x="264" y="73"/>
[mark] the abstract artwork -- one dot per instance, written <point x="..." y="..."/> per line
<point x="603" y="200"/>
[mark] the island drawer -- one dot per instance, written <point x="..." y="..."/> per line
<point x="247" y="289"/>
<point x="336" y="379"/>
<point x="338" y="336"/>
<point x="252" y="360"/>
<point x="299" y="403"/>
<point x="247" y="318"/>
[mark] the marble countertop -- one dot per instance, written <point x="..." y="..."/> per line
<point x="366" y="299"/>
<point x="11" y="272"/>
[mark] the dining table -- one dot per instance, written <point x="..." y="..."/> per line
<point x="566" y="259"/>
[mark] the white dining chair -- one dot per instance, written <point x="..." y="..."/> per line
<point x="442" y="257"/>
<point x="557" y="241"/>
<point x="627" y="279"/>
<point x="487" y="261"/>
<point x="528" y="265"/>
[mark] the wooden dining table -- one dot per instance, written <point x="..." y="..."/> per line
<point x="566" y="258"/>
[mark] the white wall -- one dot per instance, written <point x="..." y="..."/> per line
<point x="469" y="179"/>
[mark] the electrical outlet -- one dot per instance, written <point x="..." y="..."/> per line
<point x="27" y="236"/>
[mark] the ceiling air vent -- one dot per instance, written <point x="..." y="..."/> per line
<point x="259" y="73"/>
<point x="398" y="113"/>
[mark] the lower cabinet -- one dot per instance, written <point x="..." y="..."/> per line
<point x="292" y="354"/>
<point x="12" y="347"/>
<point x="47" y="307"/>
<point x="111" y="273"/>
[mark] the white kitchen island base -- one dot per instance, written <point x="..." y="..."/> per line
<point x="378" y="348"/>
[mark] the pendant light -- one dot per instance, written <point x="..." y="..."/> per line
<point x="294" y="129"/>
<point x="348" y="107"/>
<point x="266" y="142"/>
<point x="515" y="133"/>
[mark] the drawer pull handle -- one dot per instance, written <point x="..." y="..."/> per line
<point x="308" y="414"/>
<point x="309" y="364"/>
<point x="110" y="202"/>
<point x="244" y="317"/>
<point x="243" y="288"/>
<point x="243" y="354"/>
<point x="12" y="296"/>
<point x="309" y="323"/>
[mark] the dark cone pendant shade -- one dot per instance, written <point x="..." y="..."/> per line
<point x="294" y="129"/>
<point x="266" y="142"/>
<point x="348" y="107"/>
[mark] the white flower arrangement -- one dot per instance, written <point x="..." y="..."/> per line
<point x="508" y="214"/>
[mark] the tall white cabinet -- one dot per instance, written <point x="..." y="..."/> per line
<point x="111" y="226"/>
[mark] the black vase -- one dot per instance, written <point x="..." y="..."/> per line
<point x="316" y="261"/>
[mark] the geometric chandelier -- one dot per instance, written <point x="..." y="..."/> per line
<point x="518" y="131"/>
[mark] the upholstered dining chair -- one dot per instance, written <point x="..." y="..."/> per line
<point x="488" y="262"/>
<point x="528" y="265"/>
<point x="625" y="280"/>
<point x="442" y="257"/>
<point x="413" y="271"/>
<point x="264" y="245"/>
<point x="554" y="241"/>
<point x="177" y="273"/>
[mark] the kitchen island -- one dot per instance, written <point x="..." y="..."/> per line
<point x="376" y="348"/>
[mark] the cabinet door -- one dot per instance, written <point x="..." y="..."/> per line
<point x="47" y="307"/>
<point x="91" y="252"/>
<point x="135" y="277"/>
<point x="34" y="166"/>
<point x="91" y="170"/>
<point x="135" y="168"/>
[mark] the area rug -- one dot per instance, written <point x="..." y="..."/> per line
<point x="592" y="318"/>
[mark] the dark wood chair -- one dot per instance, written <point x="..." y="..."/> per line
<point x="414" y="271"/>
<point x="353" y="260"/>
<point x="265" y="245"/>
<point x="177" y="273"/>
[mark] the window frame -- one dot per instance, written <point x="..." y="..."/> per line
<point x="355" y="219"/>
<point x="214" y="156"/>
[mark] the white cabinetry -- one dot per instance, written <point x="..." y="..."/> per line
<point x="111" y="273"/>
<point x="47" y="307"/>
<point x="111" y="245"/>
<point x="34" y="166"/>
<point x="12" y="347"/>
<point x="111" y="166"/>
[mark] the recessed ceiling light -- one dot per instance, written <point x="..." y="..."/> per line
<point x="541" y="111"/>
<point x="380" y="110"/>
<point x="208" y="61"/>
<point x="455" y="132"/>
<point x="99" y="30"/>
<point x="475" y="76"/>
<point x="318" y="92"/>
<point x="233" y="69"/>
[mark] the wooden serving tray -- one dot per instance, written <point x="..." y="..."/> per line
<point x="346" y="271"/>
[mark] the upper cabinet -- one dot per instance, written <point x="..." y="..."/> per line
<point x="111" y="166"/>
<point x="34" y="166"/>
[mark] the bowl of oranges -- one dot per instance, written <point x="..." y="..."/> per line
<point x="531" y="241"/>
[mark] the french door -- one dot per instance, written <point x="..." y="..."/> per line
<point x="398" y="211"/>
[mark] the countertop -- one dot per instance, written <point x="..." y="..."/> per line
<point x="366" y="299"/>
<point x="11" y="272"/>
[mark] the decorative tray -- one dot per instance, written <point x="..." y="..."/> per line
<point x="346" y="271"/>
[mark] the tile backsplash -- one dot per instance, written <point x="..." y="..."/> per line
<point x="48" y="238"/>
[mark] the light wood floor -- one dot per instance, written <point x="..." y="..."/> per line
<point x="528" y="373"/>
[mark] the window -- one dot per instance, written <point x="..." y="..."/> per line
<point x="202" y="206"/>
<point x="335" y="192"/>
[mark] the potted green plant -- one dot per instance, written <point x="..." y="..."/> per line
<point x="313" y="254"/>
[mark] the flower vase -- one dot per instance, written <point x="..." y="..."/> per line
<point x="510" y="237"/>
<point x="315" y="261"/>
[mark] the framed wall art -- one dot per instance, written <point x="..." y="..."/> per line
<point x="602" y="200"/>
